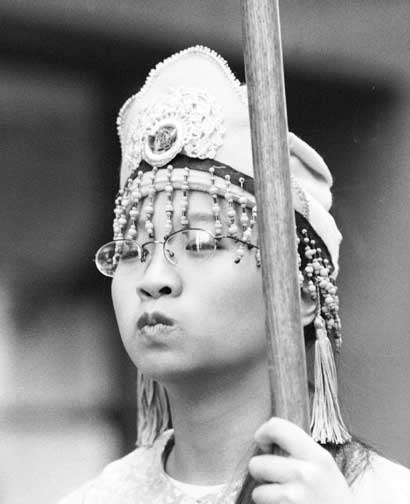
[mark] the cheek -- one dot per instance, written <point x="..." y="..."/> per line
<point x="249" y="315"/>
<point x="235" y="317"/>
<point x="125" y="303"/>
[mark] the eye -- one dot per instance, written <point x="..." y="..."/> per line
<point x="199" y="242"/>
<point x="196" y="246"/>
<point x="194" y="243"/>
<point x="129" y="252"/>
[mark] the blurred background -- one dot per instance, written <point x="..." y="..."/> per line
<point x="66" y="386"/>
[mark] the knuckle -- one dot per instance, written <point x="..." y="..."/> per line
<point x="254" y="466"/>
<point x="273" y="422"/>
<point x="258" y="495"/>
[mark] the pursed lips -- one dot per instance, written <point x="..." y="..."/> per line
<point x="154" y="318"/>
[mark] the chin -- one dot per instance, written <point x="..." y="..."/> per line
<point x="164" y="368"/>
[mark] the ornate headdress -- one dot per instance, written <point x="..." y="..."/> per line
<point x="192" y="106"/>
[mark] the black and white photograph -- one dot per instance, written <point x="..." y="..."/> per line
<point x="205" y="252"/>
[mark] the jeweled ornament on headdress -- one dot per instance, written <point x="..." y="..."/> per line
<point x="164" y="138"/>
<point x="181" y="120"/>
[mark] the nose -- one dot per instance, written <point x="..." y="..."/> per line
<point x="160" y="278"/>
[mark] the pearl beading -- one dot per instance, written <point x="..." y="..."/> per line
<point x="153" y="75"/>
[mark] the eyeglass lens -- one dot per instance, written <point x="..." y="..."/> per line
<point x="183" y="245"/>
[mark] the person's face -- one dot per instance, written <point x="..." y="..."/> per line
<point x="216" y="305"/>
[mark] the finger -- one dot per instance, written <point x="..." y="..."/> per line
<point x="275" y="469"/>
<point x="289" y="437"/>
<point x="271" y="494"/>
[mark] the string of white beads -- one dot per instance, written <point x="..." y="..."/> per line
<point x="252" y="225"/>
<point x="135" y="196"/>
<point x="232" y="228"/>
<point x="119" y="218"/>
<point x="244" y="219"/>
<point x="169" y="207"/>
<point x="184" y="201"/>
<point x="149" y="210"/>
<point x="216" y="208"/>
<point x="321" y="286"/>
<point x="155" y="72"/>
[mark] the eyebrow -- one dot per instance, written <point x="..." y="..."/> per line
<point x="201" y="216"/>
<point x="195" y="215"/>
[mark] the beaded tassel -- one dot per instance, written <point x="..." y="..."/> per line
<point x="169" y="207"/>
<point x="184" y="201"/>
<point x="149" y="210"/>
<point x="331" y="309"/>
<point x="232" y="228"/>
<point x="327" y="424"/>
<point x="121" y="206"/>
<point x="134" y="212"/>
<point x="119" y="217"/>
<point x="216" y="209"/>
<point x="152" y="409"/>
<point x="123" y="218"/>
<point x="244" y="219"/>
<point x="252" y="225"/>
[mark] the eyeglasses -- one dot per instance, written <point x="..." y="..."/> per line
<point x="180" y="247"/>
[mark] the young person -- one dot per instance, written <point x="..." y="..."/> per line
<point x="187" y="293"/>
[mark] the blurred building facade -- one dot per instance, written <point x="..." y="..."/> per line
<point x="67" y="403"/>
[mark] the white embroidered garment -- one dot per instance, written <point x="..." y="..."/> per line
<point x="384" y="482"/>
<point x="139" y="478"/>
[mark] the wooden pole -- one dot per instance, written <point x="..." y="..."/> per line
<point x="276" y="222"/>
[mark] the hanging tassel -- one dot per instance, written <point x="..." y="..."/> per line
<point x="153" y="411"/>
<point x="327" y="425"/>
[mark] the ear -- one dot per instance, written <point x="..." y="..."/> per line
<point x="308" y="312"/>
<point x="308" y="306"/>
